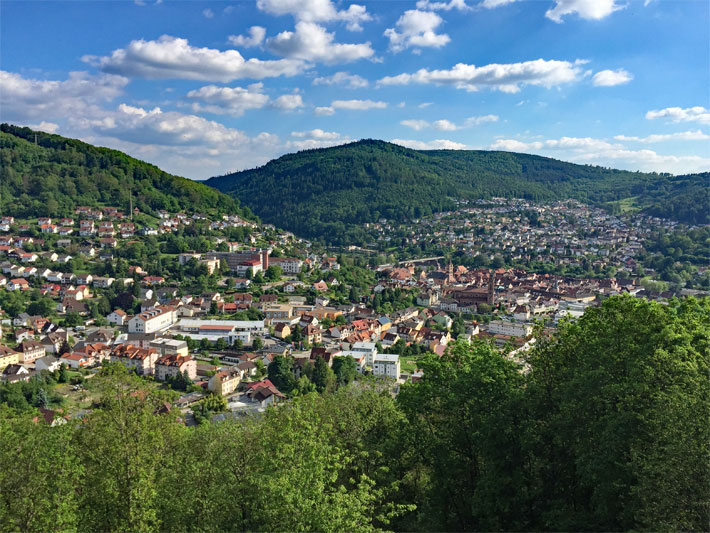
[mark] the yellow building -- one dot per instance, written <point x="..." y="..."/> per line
<point x="8" y="356"/>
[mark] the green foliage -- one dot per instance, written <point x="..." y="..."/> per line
<point x="57" y="174"/>
<point x="328" y="193"/>
<point x="323" y="376"/>
<point x="280" y="373"/>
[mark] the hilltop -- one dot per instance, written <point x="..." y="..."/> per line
<point x="326" y="193"/>
<point x="42" y="174"/>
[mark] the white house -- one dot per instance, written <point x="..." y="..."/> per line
<point x="117" y="317"/>
<point x="152" y="320"/>
<point x="386" y="365"/>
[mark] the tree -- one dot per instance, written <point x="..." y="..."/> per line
<point x="221" y="344"/>
<point x="323" y="377"/>
<point x="464" y="413"/>
<point x="257" y="343"/>
<point x="238" y="344"/>
<point x="280" y="373"/>
<point x="345" y="369"/>
<point x="274" y="273"/>
<point x="73" y="319"/>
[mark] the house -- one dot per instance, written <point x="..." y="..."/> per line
<point x="30" y="351"/>
<point x="264" y="392"/>
<point x="320" y="286"/>
<point x="75" y="360"/>
<point x="142" y="360"/>
<point x="152" y="320"/>
<point x="14" y="373"/>
<point x="117" y="317"/>
<point x="282" y="330"/>
<point x="53" y="341"/>
<point x="8" y="356"/>
<point x="48" y="363"/>
<point x="224" y="382"/>
<point x="168" y="366"/>
<point x="18" y="284"/>
<point x="386" y="365"/>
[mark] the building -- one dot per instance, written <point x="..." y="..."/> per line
<point x="168" y="366"/>
<point x="368" y="349"/>
<point x="8" y="356"/>
<point x="225" y="382"/>
<point x="170" y="346"/>
<point x="31" y="351"/>
<point x="512" y="329"/>
<point x="386" y="365"/>
<point x="117" y="317"/>
<point x="142" y="360"/>
<point x="152" y="320"/>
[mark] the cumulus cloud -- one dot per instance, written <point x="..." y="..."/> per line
<point x="416" y="125"/>
<point x="679" y="114"/>
<point x="586" y="9"/>
<point x="317" y="11"/>
<point x="502" y="77"/>
<point x="447" y="125"/>
<point x="208" y="13"/>
<point x="288" y="102"/>
<point x="443" y="6"/>
<point x="610" y="78"/>
<point x="324" y="111"/>
<point x="601" y="152"/>
<point x="437" y="144"/>
<point x="492" y="4"/>
<point x="696" y="135"/>
<point x="349" y="81"/>
<point x="316" y="138"/>
<point x="311" y="42"/>
<point x="255" y="37"/>
<point x="22" y="98"/>
<point x="174" y="58"/>
<point x="416" y="29"/>
<point x="48" y="127"/>
<point x="352" y="105"/>
<point x="228" y="100"/>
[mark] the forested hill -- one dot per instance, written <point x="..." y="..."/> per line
<point x="53" y="175"/>
<point x="326" y="192"/>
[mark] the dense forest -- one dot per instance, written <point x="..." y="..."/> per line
<point x="602" y="427"/>
<point x="323" y="193"/>
<point x="43" y="174"/>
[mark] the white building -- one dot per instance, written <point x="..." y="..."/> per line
<point x="386" y="365"/>
<point x="152" y="320"/>
<point x="513" y="329"/>
<point x="367" y="348"/>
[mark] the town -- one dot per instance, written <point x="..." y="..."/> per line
<point x="222" y="307"/>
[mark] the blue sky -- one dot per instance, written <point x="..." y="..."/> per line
<point x="205" y="88"/>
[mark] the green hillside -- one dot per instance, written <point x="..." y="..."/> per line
<point x="325" y="193"/>
<point x="56" y="174"/>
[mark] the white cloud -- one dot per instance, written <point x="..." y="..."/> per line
<point x="316" y="138"/>
<point x="416" y="29"/>
<point x="437" y="144"/>
<point x="174" y="58"/>
<point x="325" y="111"/>
<point x="503" y="77"/>
<point x="358" y="105"/>
<point x="447" y="125"/>
<point x="416" y="125"/>
<point x="48" y="127"/>
<point x="312" y="42"/>
<point x="228" y="100"/>
<point x="586" y="9"/>
<point x="679" y="114"/>
<point x="288" y="102"/>
<point x="424" y="105"/>
<point x="492" y="4"/>
<point x="443" y="6"/>
<point x="350" y="81"/>
<point x="588" y="150"/>
<point x="208" y="13"/>
<point x="255" y="37"/>
<point x="696" y="135"/>
<point x="610" y="78"/>
<point x="317" y="11"/>
<point x="23" y="99"/>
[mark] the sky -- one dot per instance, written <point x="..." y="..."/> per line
<point x="206" y="88"/>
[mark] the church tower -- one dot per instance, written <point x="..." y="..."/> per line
<point x="492" y="287"/>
